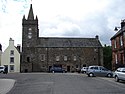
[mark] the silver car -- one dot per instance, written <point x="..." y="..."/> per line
<point x="119" y="74"/>
<point x="98" y="71"/>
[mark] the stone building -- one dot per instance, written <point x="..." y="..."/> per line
<point x="39" y="54"/>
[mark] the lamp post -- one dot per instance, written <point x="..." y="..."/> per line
<point x="47" y="59"/>
<point x="116" y="28"/>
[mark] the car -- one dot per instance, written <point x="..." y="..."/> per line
<point x="2" y="68"/>
<point x="57" y="69"/>
<point x="98" y="71"/>
<point x="84" y="69"/>
<point x="119" y="74"/>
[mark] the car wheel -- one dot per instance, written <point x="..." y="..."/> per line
<point x="91" y="74"/>
<point x="109" y="75"/>
<point x="116" y="79"/>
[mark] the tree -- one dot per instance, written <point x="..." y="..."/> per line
<point x="107" y="57"/>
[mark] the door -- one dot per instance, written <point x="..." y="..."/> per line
<point x="68" y="68"/>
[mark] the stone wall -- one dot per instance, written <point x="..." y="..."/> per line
<point x="69" y="58"/>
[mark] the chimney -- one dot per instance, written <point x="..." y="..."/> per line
<point x="122" y="23"/>
<point x="11" y="42"/>
<point x="18" y="47"/>
<point x="97" y="37"/>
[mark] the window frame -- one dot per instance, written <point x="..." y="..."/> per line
<point x="11" y="52"/>
<point x="11" y="60"/>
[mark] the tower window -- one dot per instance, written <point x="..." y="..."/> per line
<point x="74" y="58"/>
<point x="30" y="29"/>
<point x="42" y="57"/>
<point x="28" y="59"/>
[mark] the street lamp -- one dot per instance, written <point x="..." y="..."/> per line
<point x="116" y="28"/>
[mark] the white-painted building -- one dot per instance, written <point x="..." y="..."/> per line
<point x="11" y="57"/>
<point x="0" y="56"/>
<point x="0" y="53"/>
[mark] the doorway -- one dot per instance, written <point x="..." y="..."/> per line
<point x="68" y="68"/>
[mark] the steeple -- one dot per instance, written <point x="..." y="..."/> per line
<point x="30" y="15"/>
<point x="0" y="47"/>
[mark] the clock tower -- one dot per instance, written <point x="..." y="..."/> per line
<point x="30" y="34"/>
<point x="30" y="31"/>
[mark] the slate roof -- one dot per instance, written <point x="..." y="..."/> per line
<point x="117" y="34"/>
<point x="69" y="42"/>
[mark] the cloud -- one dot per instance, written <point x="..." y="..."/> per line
<point x="62" y="18"/>
<point x="60" y="26"/>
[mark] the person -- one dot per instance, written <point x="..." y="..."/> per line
<point x="5" y="70"/>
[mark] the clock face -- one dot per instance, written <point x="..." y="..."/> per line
<point x="29" y="35"/>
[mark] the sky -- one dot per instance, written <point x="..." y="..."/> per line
<point x="62" y="18"/>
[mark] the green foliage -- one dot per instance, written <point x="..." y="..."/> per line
<point x="107" y="57"/>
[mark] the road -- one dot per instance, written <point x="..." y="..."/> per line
<point x="62" y="83"/>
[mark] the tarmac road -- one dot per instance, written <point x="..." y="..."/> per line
<point x="62" y="83"/>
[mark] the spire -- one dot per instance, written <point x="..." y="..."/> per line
<point x="31" y="15"/>
<point x="24" y="17"/>
<point x="36" y="17"/>
<point x="0" y="47"/>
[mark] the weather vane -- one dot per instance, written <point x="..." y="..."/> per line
<point x="31" y="1"/>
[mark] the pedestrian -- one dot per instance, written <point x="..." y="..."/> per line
<point x="5" y="70"/>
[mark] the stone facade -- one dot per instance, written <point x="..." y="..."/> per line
<point x="39" y="54"/>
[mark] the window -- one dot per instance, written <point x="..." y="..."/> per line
<point x="116" y="59"/>
<point x="28" y="59"/>
<point x="96" y="68"/>
<point x="11" y="59"/>
<point x="42" y="57"/>
<point x="65" y="58"/>
<point x="11" y="68"/>
<point x="115" y="43"/>
<point x="11" y="52"/>
<point x="30" y="29"/>
<point x="74" y="58"/>
<point x="121" y="42"/>
<point x="77" y="66"/>
<point x="57" y="58"/>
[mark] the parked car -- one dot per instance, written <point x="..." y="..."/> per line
<point x="2" y="68"/>
<point x="84" y="69"/>
<point x="119" y="74"/>
<point x="98" y="71"/>
<point x="57" y="69"/>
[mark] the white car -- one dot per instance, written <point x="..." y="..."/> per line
<point x="2" y="69"/>
<point x="84" y="69"/>
<point x="119" y="74"/>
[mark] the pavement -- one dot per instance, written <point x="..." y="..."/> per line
<point x="6" y="85"/>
